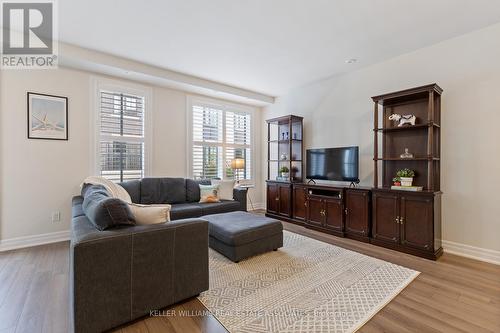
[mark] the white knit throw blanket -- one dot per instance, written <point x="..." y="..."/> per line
<point x="115" y="190"/>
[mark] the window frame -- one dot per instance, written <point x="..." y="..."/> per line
<point x="117" y="86"/>
<point x="224" y="106"/>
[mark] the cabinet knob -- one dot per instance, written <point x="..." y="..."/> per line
<point x="426" y="246"/>
<point x="346" y="211"/>
<point x="277" y="199"/>
<point x="401" y="220"/>
<point x="305" y="203"/>
<point x="397" y="219"/>
<point x="393" y="238"/>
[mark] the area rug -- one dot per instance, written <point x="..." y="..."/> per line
<point x="306" y="286"/>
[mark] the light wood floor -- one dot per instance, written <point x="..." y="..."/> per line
<point x="454" y="294"/>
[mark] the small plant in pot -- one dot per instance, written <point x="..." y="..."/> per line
<point x="396" y="181"/>
<point x="284" y="171"/>
<point x="405" y="176"/>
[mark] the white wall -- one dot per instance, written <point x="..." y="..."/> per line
<point x="338" y="112"/>
<point x="38" y="177"/>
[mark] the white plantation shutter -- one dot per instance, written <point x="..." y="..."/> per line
<point x="220" y="134"/>
<point x="121" y="133"/>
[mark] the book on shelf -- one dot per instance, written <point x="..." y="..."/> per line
<point x="407" y="188"/>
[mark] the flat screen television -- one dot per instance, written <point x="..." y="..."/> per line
<point x="339" y="164"/>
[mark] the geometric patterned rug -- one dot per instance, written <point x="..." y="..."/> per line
<point x="306" y="286"/>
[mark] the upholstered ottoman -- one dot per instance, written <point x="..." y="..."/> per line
<point x="239" y="235"/>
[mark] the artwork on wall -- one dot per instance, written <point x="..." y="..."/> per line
<point x="47" y="117"/>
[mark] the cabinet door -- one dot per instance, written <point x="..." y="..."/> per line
<point x="334" y="218"/>
<point x="285" y="199"/>
<point x="385" y="217"/>
<point x="417" y="222"/>
<point x="315" y="210"/>
<point x="299" y="202"/>
<point x="272" y="198"/>
<point x="357" y="219"/>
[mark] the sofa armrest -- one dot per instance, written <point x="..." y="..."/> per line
<point x="240" y="195"/>
<point x="121" y="274"/>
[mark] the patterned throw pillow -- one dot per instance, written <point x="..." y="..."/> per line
<point x="209" y="193"/>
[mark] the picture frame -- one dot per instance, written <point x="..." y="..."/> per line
<point x="47" y="117"/>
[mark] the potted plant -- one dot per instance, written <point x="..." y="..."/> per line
<point x="396" y="181"/>
<point x="405" y="176"/>
<point x="284" y="171"/>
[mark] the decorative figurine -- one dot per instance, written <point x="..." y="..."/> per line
<point x="406" y="154"/>
<point x="284" y="157"/>
<point x="403" y="119"/>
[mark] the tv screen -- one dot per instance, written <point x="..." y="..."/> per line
<point x="340" y="164"/>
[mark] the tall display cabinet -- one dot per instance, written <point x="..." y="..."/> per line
<point x="284" y="162"/>
<point x="403" y="220"/>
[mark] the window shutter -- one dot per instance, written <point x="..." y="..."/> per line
<point x="121" y="136"/>
<point x="219" y="135"/>
<point x="207" y="138"/>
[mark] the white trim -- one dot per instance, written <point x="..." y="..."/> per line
<point x="223" y="105"/>
<point x="72" y="56"/>
<point x="468" y="251"/>
<point x="98" y="84"/>
<point x="256" y="206"/>
<point x="34" y="240"/>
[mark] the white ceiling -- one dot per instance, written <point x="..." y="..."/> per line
<point x="268" y="46"/>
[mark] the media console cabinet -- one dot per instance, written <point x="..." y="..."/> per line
<point x="401" y="220"/>
<point x="405" y="221"/>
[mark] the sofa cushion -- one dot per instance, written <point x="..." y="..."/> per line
<point x="150" y="214"/>
<point x="193" y="189"/>
<point x="133" y="187"/>
<point x="209" y="193"/>
<point x="219" y="207"/>
<point x="226" y="188"/>
<point x="76" y="207"/>
<point x="238" y="228"/>
<point x="185" y="211"/>
<point x="163" y="191"/>
<point x="103" y="211"/>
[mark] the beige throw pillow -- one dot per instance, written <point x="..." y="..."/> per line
<point x="150" y="214"/>
<point x="209" y="193"/>
<point x="225" y="188"/>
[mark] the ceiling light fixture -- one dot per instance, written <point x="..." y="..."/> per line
<point x="351" y="61"/>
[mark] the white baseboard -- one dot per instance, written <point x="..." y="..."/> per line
<point x="28" y="241"/>
<point x="472" y="252"/>
<point x="256" y="206"/>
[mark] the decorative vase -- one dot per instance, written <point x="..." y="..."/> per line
<point x="406" y="181"/>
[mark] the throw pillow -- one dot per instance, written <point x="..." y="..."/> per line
<point x="150" y="214"/>
<point x="226" y="188"/>
<point x="105" y="212"/>
<point x="209" y="193"/>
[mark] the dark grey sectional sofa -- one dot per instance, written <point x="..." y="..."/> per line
<point x="120" y="274"/>
<point x="183" y="195"/>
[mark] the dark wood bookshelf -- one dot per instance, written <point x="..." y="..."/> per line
<point x="422" y="139"/>
<point x="408" y="128"/>
<point x="429" y="158"/>
<point x="284" y="137"/>
<point x="408" y="221"/>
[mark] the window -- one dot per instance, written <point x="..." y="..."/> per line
<point x="121" y="135"/>
<point x="219" y="134"/>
